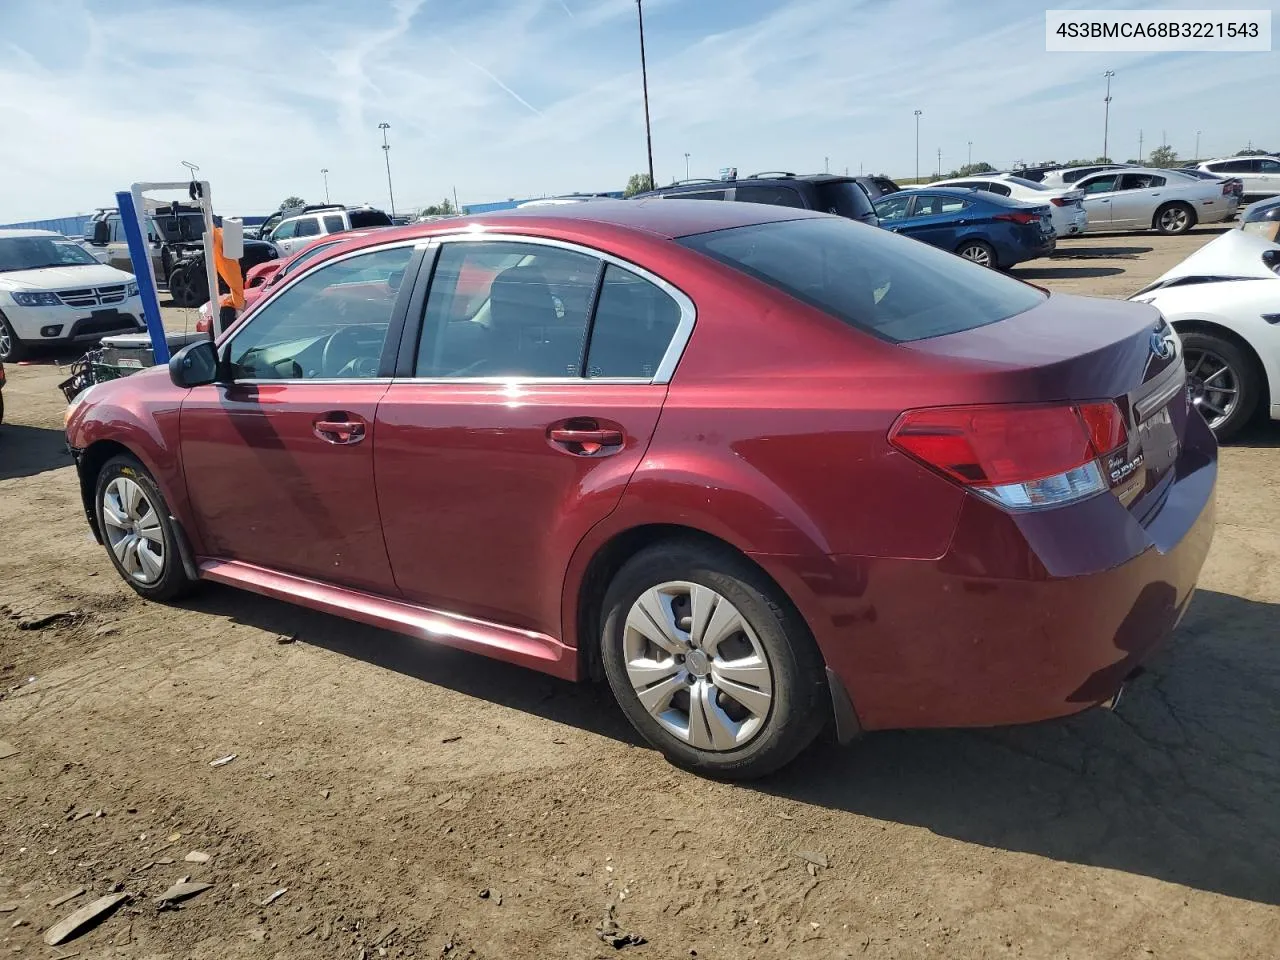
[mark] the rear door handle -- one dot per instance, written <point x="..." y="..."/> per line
<point x="339" y="429"/>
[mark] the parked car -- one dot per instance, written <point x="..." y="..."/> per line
<point x="991" y="230"/>
<point x="1065" y="176"/>
<point x="294" y="233"/>
<point x="1262" y="217"/>
<point x="189" y="280"/>
<point x="262" y="277"/>
<point x="557" y="201"/>
<point x="1224" y="301"/>
<point x="53" y="292"/>
<point x="1234" y="184"/>
<point x="877" y="187"/>
<point x="1259" y="174"/>
<point x="1066" y="203"/>
<point x="168" y="227"/>
<point x="829" y="193"/>
<point x="637" y="456"/>
<point x="1140" y="198"/>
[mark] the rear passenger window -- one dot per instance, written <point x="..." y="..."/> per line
<point x="999" y="188"/>
<point x="333" y="224"/>
<point x="506" y="309"/>
<point x="308" y="227"/>
<point x="634" y="324"/>
<point x="778" y="196"/>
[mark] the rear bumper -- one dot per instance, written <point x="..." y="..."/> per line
<point x="1025" y="618"/>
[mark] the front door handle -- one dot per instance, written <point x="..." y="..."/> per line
<point x="584" y="438"/>
<point x="339" y="429"/>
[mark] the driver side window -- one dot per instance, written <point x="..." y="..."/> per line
<point x="330" y="324"/>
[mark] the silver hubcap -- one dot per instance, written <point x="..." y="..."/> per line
<point x="1175" y="219"/>
<point x="697" y="666"/>
<point x="1212" y="386"/>
<point x="6" y="342"/>
<point x="133" y="530"/>
<point x="979" y="255"/>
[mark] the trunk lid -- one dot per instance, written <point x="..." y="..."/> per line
<point x="1077" y="349"/>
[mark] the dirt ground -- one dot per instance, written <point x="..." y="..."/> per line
<point x="415" y="801"/>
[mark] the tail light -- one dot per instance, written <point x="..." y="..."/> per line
<point x="1019" y="216"/>
<point x="1060" y="201"/>
<point x="1018" y="456"/>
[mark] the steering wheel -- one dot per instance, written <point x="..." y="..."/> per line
<point x="340" y="349"/>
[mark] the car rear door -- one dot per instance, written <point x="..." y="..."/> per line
<point x="1099" y="192"/>
<point x="279" y="457"/>
<point x="523" y="402"/>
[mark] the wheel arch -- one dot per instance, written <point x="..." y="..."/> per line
<point x="1196" y="325"/>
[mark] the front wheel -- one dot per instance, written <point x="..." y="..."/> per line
<point x="979" y="252"/>
<point x="709" y="663"/>
<point x="140" y="537"/>
<point x="11" y="348"/>
<point x="1222" y="382"/>
<point x="1175" y="218"/>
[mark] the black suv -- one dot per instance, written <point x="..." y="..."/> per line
<point x="818" y="191"/>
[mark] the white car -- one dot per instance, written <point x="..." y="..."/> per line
<point x="1067" y="176"/>
<point x="53" y="291"/>
<point x="1143" y="198"/>
<point x="294" y="233"/>
<point x="1066" y="203"/>
<point x="1224" y="301"/>
<point x="1260" y="175"/>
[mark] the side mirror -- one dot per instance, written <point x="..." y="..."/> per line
<point x="195" y="365"/>
<point x="101" y="233"/>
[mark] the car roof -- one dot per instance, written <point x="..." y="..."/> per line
<point x="23" y="232"/>
<point x="1250" y="156"/>
<point x="655" y="217"/>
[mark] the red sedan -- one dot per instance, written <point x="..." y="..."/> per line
<point x="761" y="469"/>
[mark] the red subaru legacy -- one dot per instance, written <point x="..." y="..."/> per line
<point x="761" y="469"/>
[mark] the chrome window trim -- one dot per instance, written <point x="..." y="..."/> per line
<point x="325" y="381"/>
<point x="527" y="381"/>
<point x="670" y="359"/>
<point x="288" y="284"/>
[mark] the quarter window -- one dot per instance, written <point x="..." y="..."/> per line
<point x="633" y="326"/>
<point x="507" y="309"/>
<point x="331" y="324"/>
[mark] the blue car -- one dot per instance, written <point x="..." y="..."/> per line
<point x="984" y="227"/>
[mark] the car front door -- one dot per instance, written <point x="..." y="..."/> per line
<point x="516" y="420"/>
<point x="279" y="457"/>
<point x="936" y="219"/>
<point x="1099" y="191"/>
<point x="1134" y="203"/>
<point x="283" y="237"/>
<point x="1268" y="178"/>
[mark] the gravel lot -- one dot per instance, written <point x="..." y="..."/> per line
<point x="416" y="801"/>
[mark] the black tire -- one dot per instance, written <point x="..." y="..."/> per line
<point x="173" y="581"/>
<point x="166" y="263"/>
<point x="188" y="286"/>
<point x="1199" y="349"/>
<point x="11" y="348"/>
<point x="979" y="252"/>
<point x="1175" y="218"/>
<point x="1" y="406"/>
<point x="800" y="702"/>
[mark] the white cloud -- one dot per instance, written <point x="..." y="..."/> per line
<point x="512" y="98"/>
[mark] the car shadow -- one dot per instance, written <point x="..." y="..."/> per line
<point x="1179" y="784"/>
<point x="1260" y="434"/>
<point x="1075" y="252"/>
<point x="26" y="451"/>
<point x="1063" y="273"/>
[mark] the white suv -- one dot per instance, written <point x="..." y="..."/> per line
<point x="294" y="233"/>
<point x="1260" y="175"/>
<point x="52" y="290"/>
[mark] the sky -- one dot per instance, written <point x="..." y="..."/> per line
<point x="520" y="98"/>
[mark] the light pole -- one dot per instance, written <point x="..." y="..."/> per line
<point x="1197" y="146"/>
<point x="644" y="79"/>
<point x="386" y="153"/>
<point x="969" y="162"/>
<point x="686" y="166"/>
<point x="826" y="164"/>
<point x="939" y="163"/>
<point x="918" y="112"/>
<point x="324" y="172"/>
<point x="1106" y="116"/>
<point x="1139" y="146"/>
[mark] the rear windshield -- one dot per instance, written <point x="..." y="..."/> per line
<point x="369" y="218"/>
<point x="891" y="286"/>
<point x="844" y="198"/>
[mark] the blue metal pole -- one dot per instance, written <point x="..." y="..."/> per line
<point x="141" y="258"/>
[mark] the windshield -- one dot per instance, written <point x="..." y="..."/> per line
<point x="894" y="287"/>
<point x="33" y="253"/>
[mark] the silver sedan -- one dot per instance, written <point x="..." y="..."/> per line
<point x="1141" y="198"/>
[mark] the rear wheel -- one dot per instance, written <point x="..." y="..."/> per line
<point x="187" y="285"/>
<point x="709" y="663"/>
<point x="1223" y="382"/>
<point x="141" y="539"/>
<point x="979" y="252"/>
<point x="11" y="348"/>
<point x="1175" y="218"/>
